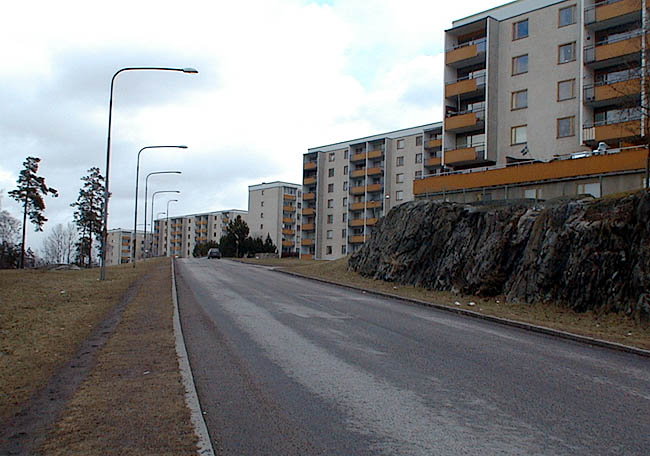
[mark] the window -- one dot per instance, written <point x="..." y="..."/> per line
<point x="418" y="157"/>
<point x="567" y="16"/>
<point x="345" y="154"/>
<point x="519" y="99"/>
<point x="518" y="135"/>
<point x="344" y="232"/>
<point x="400" y="144"/>
<point x="328" y="250"/>
<point x="330" y="218"/>
<point x="343" y="249"/>
<point x="520" y="64"/>
<point x="418" y="140"/>
<point x="330" y="203"/>
<point x="330" y="188"/>
<point x="261" y="203"/>
<point x="565" y="127"/>
<point x="399" y="195"/>
<point x="332" y="156"/>
<point x="400" y="161"/>
<point x="262" y="192"/>
<point x="330" y="172"/>
<point x="566" y="53"/>
<point x="345" y="170"/>
<point x="530" y="193"/>
<point x="418" y="174"/>
<point x="345" y="185"/>
<point x="261" y="226"/>
<point x="399" y="178"/>
<point x="345" y="201"/>
<point x="261" y="214"/>
<point x="330" y="234"/>
<point x="520" y="29"/>
<point x="566" y="89"/>
<point x="592" y="189"/>
<point x="345" y="217"/>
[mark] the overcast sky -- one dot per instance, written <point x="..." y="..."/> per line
<point x="275" y="78"/>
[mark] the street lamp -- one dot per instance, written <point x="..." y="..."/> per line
<point x="146" y="185"/>
<point x="168" y="228"/>
<point x="153" y="197"/>
<point x="102" y="272"/>
<point x="137" y="178"/>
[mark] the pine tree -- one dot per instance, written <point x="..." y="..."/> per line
<point x="30" y="191"/>
<point x="88" y="213"/>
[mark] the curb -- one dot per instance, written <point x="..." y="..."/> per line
<point x="191" y="398"/>
<point x="502" y="321"/>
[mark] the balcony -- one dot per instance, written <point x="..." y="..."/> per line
<point x="309" y="181"/>
<point x="356" y="222"/>
<point x="358" y="157"/>
<point x="306" y="256"/>
<point x="287" y="243"/>
<point x="357" y="206"/>
<point x="375" y="171"/>
<point x="464" y="155"/>
<point x="357" y="239"/>
<point x="613" y="130"/>
<point x="433" y="162"/>
<point x="289" y="220"/>
<point x="617" y="49"/>
<point x="357" y="190"/>
<point x="604" y="93"/>
<point x="612" y="12"/>
<point x="308" y="211"/>
<point x="433" y="144"/>
<point x="308" y="196"/>
<point x="288" y="231"/>
<point x="373" y="204"/>
<point x="465" y="121"/>
<point x="308" y="227"/>
<point x="289" y="208"/>
<point x="467" y="87"/>
<point x="377" y="153"/>
<point x="374" y="188"/>
<point x="371" y="221"/>
<point x="358" y="172"/>
<point x="309" y="165"/>
<point x="466" y="54"/>
<point x="307" y="242"/>
<point x="288" y="197"/>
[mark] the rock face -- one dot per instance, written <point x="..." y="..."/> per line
<point x="583" y="253"/>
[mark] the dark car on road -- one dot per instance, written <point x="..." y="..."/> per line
<point x="214" y="253"/>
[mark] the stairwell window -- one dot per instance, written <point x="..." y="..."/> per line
<point x="418" y="140"/>
<point x="565" y="127"/>
<point x="566" y="52"/>
<point x="399" y="178"/>
<point x="520" y="64"/>
<point x="400" y="144"/>
<point x="399" y="195"/>
<point x="418" y="157"/>
<point x="518" y="135"/>
<point x="520" y="30"/>
<point x="566" y="90"/>
<point x="519" y="100"/>
<point x="567" y="16"/>
<point x="399" y="161"/>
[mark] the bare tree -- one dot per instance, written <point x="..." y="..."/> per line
<point x="59" y="245"/>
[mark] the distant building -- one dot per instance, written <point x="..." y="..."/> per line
<point x="118" y="246"/>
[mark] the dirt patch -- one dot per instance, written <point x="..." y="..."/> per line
<point x="132" y="402"/>
<point x="611" y="327"/>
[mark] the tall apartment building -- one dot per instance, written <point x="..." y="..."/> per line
<point x="534" y="79"/>
<point x="273" y="211"/>
<point x="178" y="235"/>
<point x="347" y="186"/>
<point x="118" y="246"/>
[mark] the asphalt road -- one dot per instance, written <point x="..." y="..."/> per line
<point x="287" y="366"/>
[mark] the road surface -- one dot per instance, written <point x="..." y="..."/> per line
<point x="285" y="365"/>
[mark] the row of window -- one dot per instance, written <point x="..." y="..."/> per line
<point x="565" y="91"/>
<point x="401" y="144"/>
<point x="565" y="127"/>
<point x="565" y="53"/>
<point x="566" y="16"/>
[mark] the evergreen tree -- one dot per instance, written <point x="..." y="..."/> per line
<point x="269" y="247"/>
<point x="30" y="192"/>
<point x="88" y="214"/>
<point x="238" y="230"/>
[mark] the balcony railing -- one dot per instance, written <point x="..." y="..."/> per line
<point x="625" y="126"/>
<point x="610" y="9"/>
<point x="615" y="46"/>
<point x="624" y="86"/>
<point x="465" y="120"/>
<point x="466" y="51"/>
<point x="465" y="85"/>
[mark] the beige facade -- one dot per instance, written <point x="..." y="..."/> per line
<point x="274" y="210"/>
<point x="534" y="79"/>
<point x="347" y="186"/>
<point x="118" y="246"/>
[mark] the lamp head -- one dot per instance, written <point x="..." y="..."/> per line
<point x="190" y="70"/>
<point x="182" y="147"/>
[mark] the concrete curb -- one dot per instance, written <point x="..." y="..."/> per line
<point x="502" y="321"/>
<point x="191" y="398"/>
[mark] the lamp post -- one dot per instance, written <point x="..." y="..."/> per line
<point x="102" y="272"/>
<point x="153" y="197"/>
<point x="168" y="229"/>
<point x="135" y="211"/>
<point x="146" y="185"/>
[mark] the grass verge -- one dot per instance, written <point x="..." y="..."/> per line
<point x="132" y="402"/>
<point x="44" y="317"/>
<point x="610" y="327"/>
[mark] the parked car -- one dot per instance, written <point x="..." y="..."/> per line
<point x="214" y="253"/>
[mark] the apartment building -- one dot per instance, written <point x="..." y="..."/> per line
<point x="178" y="235"/>
<point x="535" y="79"/>
<point x="118" y="246"/>
<point x="348" y="185"/>
<point x="273" y="210"/>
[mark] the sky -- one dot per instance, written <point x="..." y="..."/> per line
<point x="276" y="77"/>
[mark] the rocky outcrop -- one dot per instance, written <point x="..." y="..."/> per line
<point x="583" y="253"/>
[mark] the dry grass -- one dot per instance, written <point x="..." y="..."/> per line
<point x="44" y="317"/>
<point x="610" y="327"/>
<point x="133" y="401"/>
